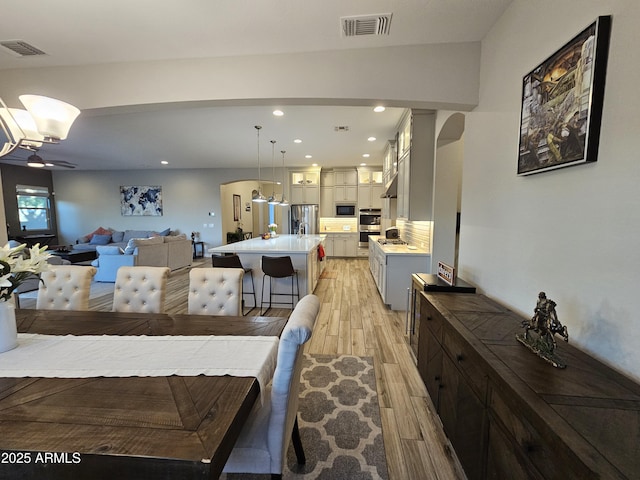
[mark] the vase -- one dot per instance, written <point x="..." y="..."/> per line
<point x="8" y="328"/>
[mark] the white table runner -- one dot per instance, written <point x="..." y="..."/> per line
<point x="69" y="356"/>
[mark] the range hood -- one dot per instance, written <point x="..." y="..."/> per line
<point x="391" y="189"/>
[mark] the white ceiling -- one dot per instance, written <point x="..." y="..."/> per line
<point x="77" y="32"/>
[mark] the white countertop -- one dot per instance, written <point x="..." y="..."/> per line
<point x="399" y="249"/>
<point x="290" y="244"/>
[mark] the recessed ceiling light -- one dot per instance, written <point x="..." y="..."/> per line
<point x="164" y="162"/>
<point x="366" y="155"/>
<point x="371" y="139"/>
<point x="363" y="164"/>
<point x="278" y="113"/>
<point x="314" y="164"/>
<point x="297" y="140"/>
<point x="308" y="156"/>
<point x="379" y="109"/>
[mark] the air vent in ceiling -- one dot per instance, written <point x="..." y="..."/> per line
<point x="366" y="25"/>
<point x="21" y="48"/>
<point x="341" y="128"/>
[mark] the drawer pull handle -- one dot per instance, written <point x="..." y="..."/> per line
<point x="459" y="357"/>
<point x="529" y="447"/>
<point x="429" y="317"/>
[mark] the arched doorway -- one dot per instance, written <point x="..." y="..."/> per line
<point x="447" y="192"/>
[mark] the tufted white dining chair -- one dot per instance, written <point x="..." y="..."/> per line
<point x="140" y="289"/>
<point x="65" y="287"/>
<point x="215" y="291"/>
<point x="262" y="445"/>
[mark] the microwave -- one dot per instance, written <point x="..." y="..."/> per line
<point x="345" y="210"/>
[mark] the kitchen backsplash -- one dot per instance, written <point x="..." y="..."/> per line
<point x="330" y="224"/>
<point x="415" y="233"/>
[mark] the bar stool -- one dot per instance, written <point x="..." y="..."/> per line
<point x="233" y="261"/>
<point x="278" y="267"/>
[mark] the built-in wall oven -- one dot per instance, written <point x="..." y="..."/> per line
<point x="368" y="224"/>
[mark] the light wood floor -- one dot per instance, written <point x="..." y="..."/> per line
<point x="353" y="320"/>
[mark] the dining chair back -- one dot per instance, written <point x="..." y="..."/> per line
<point x="140" y="289"/>
<point x="262" y="445"/>
<point x="215" y="291"/>
<point x="65" y="287"/>
<point x="233" y="261"/>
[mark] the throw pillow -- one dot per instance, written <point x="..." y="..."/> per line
<point x="164" y="233"/>
<point x="100" y="239"/>
<point x="131" y="246"/>
<point x="99" y="231"/>
<point x="117" y="236"/>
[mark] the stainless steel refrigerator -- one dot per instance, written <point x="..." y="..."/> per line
<point x="307" y="215"/>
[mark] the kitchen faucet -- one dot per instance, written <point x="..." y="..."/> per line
<point x="303" y="226"/>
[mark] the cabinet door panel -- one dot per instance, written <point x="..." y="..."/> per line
<point x="463" y="416"/>
<point x="430" y="363"/>
<point x="503" y="462"/>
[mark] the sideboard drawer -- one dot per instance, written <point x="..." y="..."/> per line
<point x="549" y="456"/>
<point x="467" y="361"/>
<point x="432" y="319"/>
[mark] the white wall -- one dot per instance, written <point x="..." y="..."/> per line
<point x="86" y="200"/>
<point x="422" y="76"/>
<point x="574" y="232"/>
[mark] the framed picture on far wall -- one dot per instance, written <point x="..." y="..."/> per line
<point x="139" y="200"/>
<point x="562" y="103"/>
<point x="237" y="210"/>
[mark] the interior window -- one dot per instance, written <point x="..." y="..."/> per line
<point x="34" y="204"/>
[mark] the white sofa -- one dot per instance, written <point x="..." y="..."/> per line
<point x="170" y="251"/>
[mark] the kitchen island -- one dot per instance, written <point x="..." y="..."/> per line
<point x="391" y="267"/>
<point x="303" y="251"/>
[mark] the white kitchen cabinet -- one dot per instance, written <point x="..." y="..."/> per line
<point x="392" y="272"/>
<point x="370" y="188"/>
<point x="342" y="244"/>
<point x="327" y="205"/>
<point x="390" y="163"/>
<point x="345" y="193"/>
<point x="305" y="187"/>
<point x="346" y="177"/>
<point x="327" y="178"/>
<point x="345" y="186"/>
<point x="415" y="168"/>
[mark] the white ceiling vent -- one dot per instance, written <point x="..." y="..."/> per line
<point x="21" y="48"/>
<point x="366" y="25"/>
<point x="341" y="128"/>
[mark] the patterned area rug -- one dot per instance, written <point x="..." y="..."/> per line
<point x="339" y="421"/>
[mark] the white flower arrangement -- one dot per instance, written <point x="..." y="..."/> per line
<point x="272" y="226"/>
<point x="16" y="267"/>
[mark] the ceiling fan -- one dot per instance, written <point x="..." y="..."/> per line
<point x="36" y="161"/>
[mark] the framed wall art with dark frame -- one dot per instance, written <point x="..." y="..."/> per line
<point x="237" y="211"/>
<point x="562" y="101"/>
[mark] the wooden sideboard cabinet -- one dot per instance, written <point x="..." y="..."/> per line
<point x="508" y="413"/>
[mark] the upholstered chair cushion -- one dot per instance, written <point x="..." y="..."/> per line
<point x="262" y="445"/>
<point x="65" y="287"/>
<point x="215" y="291"/>
<point x="140" y="289"/>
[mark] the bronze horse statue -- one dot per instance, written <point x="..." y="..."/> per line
<point x="545" y="323"/>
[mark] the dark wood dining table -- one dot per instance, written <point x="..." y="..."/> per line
<point x="147" y="428"/>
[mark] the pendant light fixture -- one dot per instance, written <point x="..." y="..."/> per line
<point x="45" y="120"/>
<point x="272" y="199"/>
<point x="258" y="197"/>
<point x="283" y="202"/>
